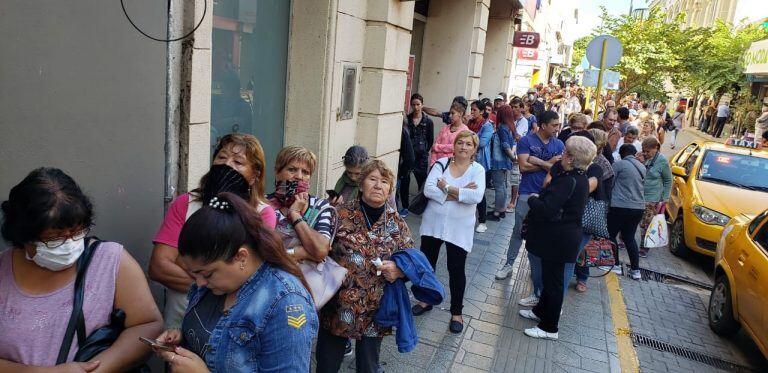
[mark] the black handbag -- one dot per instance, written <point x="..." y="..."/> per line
<point x="102" y="338"/>
<point x="419" y="203"/>
<point x="595" y="218"/>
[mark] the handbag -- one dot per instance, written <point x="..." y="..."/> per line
<point x="419" y="203"/>
<point x="598" y="252"/>
<point x="324" y="278"/>
<point x="595" y="218"/>
<point x="101" y="339"/>
<point x="657" y="233"/>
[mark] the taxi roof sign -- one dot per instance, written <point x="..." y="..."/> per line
<point x="743" y="143"/>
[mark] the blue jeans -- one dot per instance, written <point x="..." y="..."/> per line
<point x="582" y="273"/>
<point x="499" y="178"/>
<point x="521" y="209"/>
<point x="536" y="278"/>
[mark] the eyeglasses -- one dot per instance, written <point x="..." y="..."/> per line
<point x="58" y="241"/>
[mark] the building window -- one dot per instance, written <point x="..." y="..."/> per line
<point x="249" y="69"/>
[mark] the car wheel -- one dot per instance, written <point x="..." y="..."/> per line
<point x="720" y="313"/>
<point x="677" y="238"/>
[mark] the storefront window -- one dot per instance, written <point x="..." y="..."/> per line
<point x="250" y="52"/>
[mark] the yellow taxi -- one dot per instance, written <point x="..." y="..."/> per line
<point x="740" y="295"/>
<point x="712" y="183"/>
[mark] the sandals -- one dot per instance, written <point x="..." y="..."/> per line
<point x="581" y="286"/>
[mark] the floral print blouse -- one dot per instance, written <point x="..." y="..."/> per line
<point x="350" y="313"/>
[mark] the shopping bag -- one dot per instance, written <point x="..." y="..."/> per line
<point x="657" y="233"/>
<point x="598" y="252"/>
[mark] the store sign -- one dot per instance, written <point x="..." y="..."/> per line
<point x="527" y="54"/>
<point x="524" y="39"/>
<point x="756" y="58"/>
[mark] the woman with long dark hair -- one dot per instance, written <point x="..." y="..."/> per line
<point x="482" y="126"/>
<point x="249" y="309"/>
<point x="238" y="167"/>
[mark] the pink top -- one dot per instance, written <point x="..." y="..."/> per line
<point x="32" y="326"/>
<point x="177" y="215"/>
<point x="443" y="146"/>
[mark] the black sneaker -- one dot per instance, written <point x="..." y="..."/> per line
<point x="348" y="348"/>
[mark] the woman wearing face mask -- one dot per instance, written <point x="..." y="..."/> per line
<point x="305" y="221"/>
<point x="249" y="309"/>
<point x="238" y="167"/>
<point x="45" y="220"/>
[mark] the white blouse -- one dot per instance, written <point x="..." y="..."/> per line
<point x="453" y="221"/>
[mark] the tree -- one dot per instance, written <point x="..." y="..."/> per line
<point x="579" y="50"/>
<point x="649" y="59"/>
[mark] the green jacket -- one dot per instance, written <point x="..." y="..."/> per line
<point x="658" y="179"/>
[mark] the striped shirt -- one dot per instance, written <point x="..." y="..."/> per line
<point x="322" y="223"/>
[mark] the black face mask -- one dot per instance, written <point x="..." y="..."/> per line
<point x="222" y="178"/>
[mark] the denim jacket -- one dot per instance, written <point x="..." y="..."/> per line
<point x="395" y="307"/>
<point x="268" y="329"/>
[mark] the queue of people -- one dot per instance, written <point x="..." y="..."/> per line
<point x="253" y="280"/>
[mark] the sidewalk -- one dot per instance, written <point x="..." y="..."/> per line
<point x="493" y="338"/>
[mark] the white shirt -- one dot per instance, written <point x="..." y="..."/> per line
<point x="521" y="126"/>
<point x="637" y="144"/>
<point x="453" y="221"/>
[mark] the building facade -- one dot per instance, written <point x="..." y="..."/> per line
<point x="698" y="13"/>
<point x="134" y="117"/>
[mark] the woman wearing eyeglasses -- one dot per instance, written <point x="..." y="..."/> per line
<point x="46" y="220"/>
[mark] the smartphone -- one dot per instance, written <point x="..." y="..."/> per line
<point x="332" y="193"/>
<point x="157" y="344"/>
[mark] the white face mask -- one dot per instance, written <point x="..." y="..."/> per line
<point x="58" y="258"/>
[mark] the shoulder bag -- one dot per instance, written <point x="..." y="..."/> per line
<point x="101" y="339"/>
<point x="419" y="203"/>
<point x="324" y="278"/>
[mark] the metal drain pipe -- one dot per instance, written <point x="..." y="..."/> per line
<point x="172" y="100"/>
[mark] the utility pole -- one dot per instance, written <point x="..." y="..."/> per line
<point x="630" y="6"/>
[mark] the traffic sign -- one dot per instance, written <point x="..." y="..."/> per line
<point x="613" y="51"/>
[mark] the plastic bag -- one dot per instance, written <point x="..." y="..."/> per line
<point x="657" y="234"/>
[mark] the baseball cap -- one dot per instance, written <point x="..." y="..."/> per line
<point x="499" y="97"/>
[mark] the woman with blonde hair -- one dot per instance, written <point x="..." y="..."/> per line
<point x="557" y="209"/>
<point x="454" y="189"/>
<point x="238" y="167"/>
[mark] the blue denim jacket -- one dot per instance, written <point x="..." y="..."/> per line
<point x="268" y="329"/>
<point x="395" y="307"/>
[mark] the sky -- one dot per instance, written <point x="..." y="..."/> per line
<point x="589" y="13"/>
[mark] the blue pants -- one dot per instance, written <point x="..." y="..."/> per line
<point x="499" y="178"/>
<point x="521" y="209"/>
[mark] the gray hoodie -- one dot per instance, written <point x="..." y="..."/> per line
<point x="628" y="184"/>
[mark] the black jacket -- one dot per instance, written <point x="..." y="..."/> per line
<point x="422" y="135"/>
<point x="407" y="159"/>
<point x="554" y="226"/>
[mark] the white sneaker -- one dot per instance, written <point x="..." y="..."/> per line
<point x="528" y="314"/>
<point x="504" y="272"/>
<point x="481" y="228"/>
<point x="531" y="301"/>
<point x="635" y="273"/>
<point x="538" y="333"/>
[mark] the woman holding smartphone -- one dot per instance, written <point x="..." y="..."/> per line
<point x="249" y="308"/>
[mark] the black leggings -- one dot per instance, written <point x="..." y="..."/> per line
<point x="330" y="353"/>
<point x="457" y="257"/>
<point x="405" y="185"/>
<point x="625" y="221"/>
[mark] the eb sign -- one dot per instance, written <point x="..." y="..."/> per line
<point x="524" y="39"/>
<point x="527" y="54"/>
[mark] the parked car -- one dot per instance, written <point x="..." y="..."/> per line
<point x="712" y="183"/>
<point x="740" y="295"/>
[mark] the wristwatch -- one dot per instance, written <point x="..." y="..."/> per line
<point x="445" y="188"/>
<point x="291" y="251"/>
<point x="297" y="221"/>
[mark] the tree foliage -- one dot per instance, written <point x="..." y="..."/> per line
<point x="657" y="53"/>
